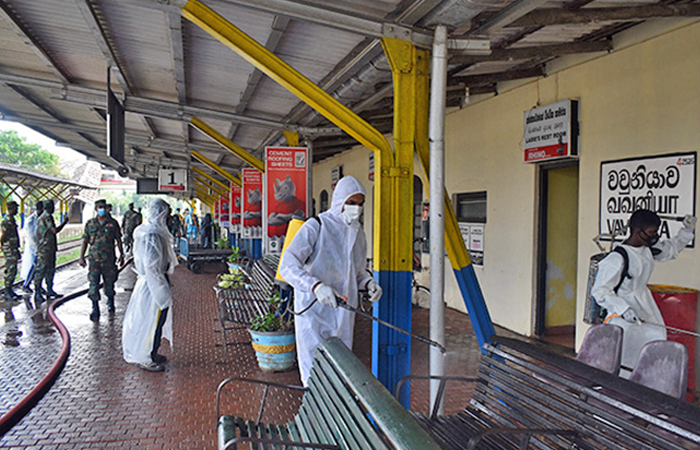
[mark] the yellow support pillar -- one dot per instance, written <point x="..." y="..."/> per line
<point x="292" y="138"/>
<point x="228" y="144"/>
<point x="210" y="178"/>
<point x="204" y="160"/>
<point x="204" y="183"/>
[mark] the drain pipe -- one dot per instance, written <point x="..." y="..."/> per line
<point x="438" y="92"/>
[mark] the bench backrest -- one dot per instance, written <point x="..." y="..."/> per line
<point x="607" y="411"/>
<point x="346" y="404"/>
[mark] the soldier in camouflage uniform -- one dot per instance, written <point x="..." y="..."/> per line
<point x="46" y="232"/>
<point x="129" y="223"/>
<point x="10" y="249"/>
<point x="101" y="233"/>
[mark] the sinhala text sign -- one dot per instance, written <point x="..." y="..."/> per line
<point x="551" y="132"/>
<point x="286" y="179"/>
<point x="172" y="180"/>
<point x="664" y="184"/>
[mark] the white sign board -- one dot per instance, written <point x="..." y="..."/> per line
<point x="551" y="132"/>
<point x="664" y="184"/>
<point x="473" y="236"/>
<point x="371" y="167"/>
<point x="336" y="175"/>
<point x="174" y="180"/>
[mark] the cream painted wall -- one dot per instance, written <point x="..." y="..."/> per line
<point x="642" y="99"/>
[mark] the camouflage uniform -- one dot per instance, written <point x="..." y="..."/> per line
<point x="101" y="256"/>
<point x="130" y="222"/>
<point x="45" y="252"/>
<point x="10" y="249"/>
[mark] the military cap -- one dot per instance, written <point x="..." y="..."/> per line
<point x="12" y="203"/>
<point x="101" y="202"/>
<point x="48" y="202"/>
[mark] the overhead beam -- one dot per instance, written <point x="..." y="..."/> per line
<point x="229" y="145"/>
<point x="206" y="161"/>
<point x="178" y="54"/>
<point x="506" y="16"/>
<point x="202" y="182"/>
<point x="551" y="16"/>
<point x="279" y="26"/>
<point x="154" y="107"/>
<point x="210" y="178"/>
<point x="490" y="78"/>
<point x="542" y="51"/>
<point x="99" y="35"/>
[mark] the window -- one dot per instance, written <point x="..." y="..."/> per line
<point x="471" y="207"/>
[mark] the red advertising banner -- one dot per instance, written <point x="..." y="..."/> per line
<point x="252" y="203"/>
<point x="235" y="206"/>
<point x="216" y="211"/>
<point x="286" y="180"/>
<point x="224" y="219"/>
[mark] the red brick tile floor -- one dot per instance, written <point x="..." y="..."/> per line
<point x="101" y="402"/>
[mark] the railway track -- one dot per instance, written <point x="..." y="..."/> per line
<point x="64" y="247"/>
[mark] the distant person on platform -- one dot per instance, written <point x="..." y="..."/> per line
<point x="101" y="234"/>
<point x="147" y="318"/>
<point x="46" y="237"/>
<point x="191" y="227"/>
<point x="139" y="217"/>
<point x="29" y="256"/>
<point x="10" y="249"/>
<point x="632" y="306"/>
<point x="129" y="223"/>
<point x="206" y="230"/>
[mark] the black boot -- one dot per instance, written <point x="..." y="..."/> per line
<point x="95" y="314"/>
<point x="38" y="298"/>
<point x="9" y="295"/>
<point x="110" y="304"/>
<point x="14" y="294"/>
<point x="50" y="293"/>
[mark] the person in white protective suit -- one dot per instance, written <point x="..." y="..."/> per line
<point x="327" y="257"/>
<point x="30" y="243"/>
<point x="149" y="315"/>
<point x="633" y="307"/>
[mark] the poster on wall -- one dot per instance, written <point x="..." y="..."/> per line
<point x="285" y="181"/>
<point x="336" y="175"/>
<point x="664" y="184"/>
<point x="551" y="132"/>
<point x="235" y="205"/>
<point x="473" y="236"/>
<point x="224" y="218"/>
<point x="217" y="211"/>
<point x="252" y="196"/>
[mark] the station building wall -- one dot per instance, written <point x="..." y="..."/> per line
<point x="642" y="99"/>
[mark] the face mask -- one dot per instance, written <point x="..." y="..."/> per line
<point x="351" y="213"/>
<point x="101" y="212"/>
<point x="650" y="240"/>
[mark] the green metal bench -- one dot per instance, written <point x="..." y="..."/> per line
<point x="528" y="397"/>
<point x="344" y="407"/>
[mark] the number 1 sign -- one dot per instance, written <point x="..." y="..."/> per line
<point x="170" y="180"/>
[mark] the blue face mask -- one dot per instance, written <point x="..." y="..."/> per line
<point x="101" y="212"/>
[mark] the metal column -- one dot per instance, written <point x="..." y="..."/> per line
<point x="438" y="88"/>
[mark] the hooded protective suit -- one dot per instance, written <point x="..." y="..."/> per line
<point x="335" y="254"/>
<point x="634" y="293"/>
<point x="29" y="255"/>
<point x="153" y="259"/>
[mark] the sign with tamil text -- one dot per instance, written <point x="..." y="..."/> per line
<point x="664" y="184"/>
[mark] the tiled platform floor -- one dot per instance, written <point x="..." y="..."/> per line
<point x="101" y="402"/>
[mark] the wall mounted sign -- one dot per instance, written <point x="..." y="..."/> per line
<point x="664" y="184"/>
<point x="551" y="132"/>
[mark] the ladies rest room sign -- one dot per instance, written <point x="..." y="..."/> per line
<point x="664" y="184"/>
<point x="551" y="132"/>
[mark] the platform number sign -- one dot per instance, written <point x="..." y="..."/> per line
<point x="172" y="180"/>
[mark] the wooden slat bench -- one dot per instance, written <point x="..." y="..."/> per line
<point x="240" y="306"/>
<point x="514" y="407"/>
<point x="344" y="407"/>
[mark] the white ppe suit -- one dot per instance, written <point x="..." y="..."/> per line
<point x="634" y="293"/>
<point x="29" y="255"/>
<point x="332" y="253"/>
<point x="153" y="259"/>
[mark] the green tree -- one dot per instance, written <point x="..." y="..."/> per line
<point x="17" y="151"/>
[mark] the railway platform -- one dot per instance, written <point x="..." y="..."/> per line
<point x="101" y="402"/>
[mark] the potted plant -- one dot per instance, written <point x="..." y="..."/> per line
<point x="273" y="337"/>
<point x="233" y="280"/>
<point x="233" y="259"/>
